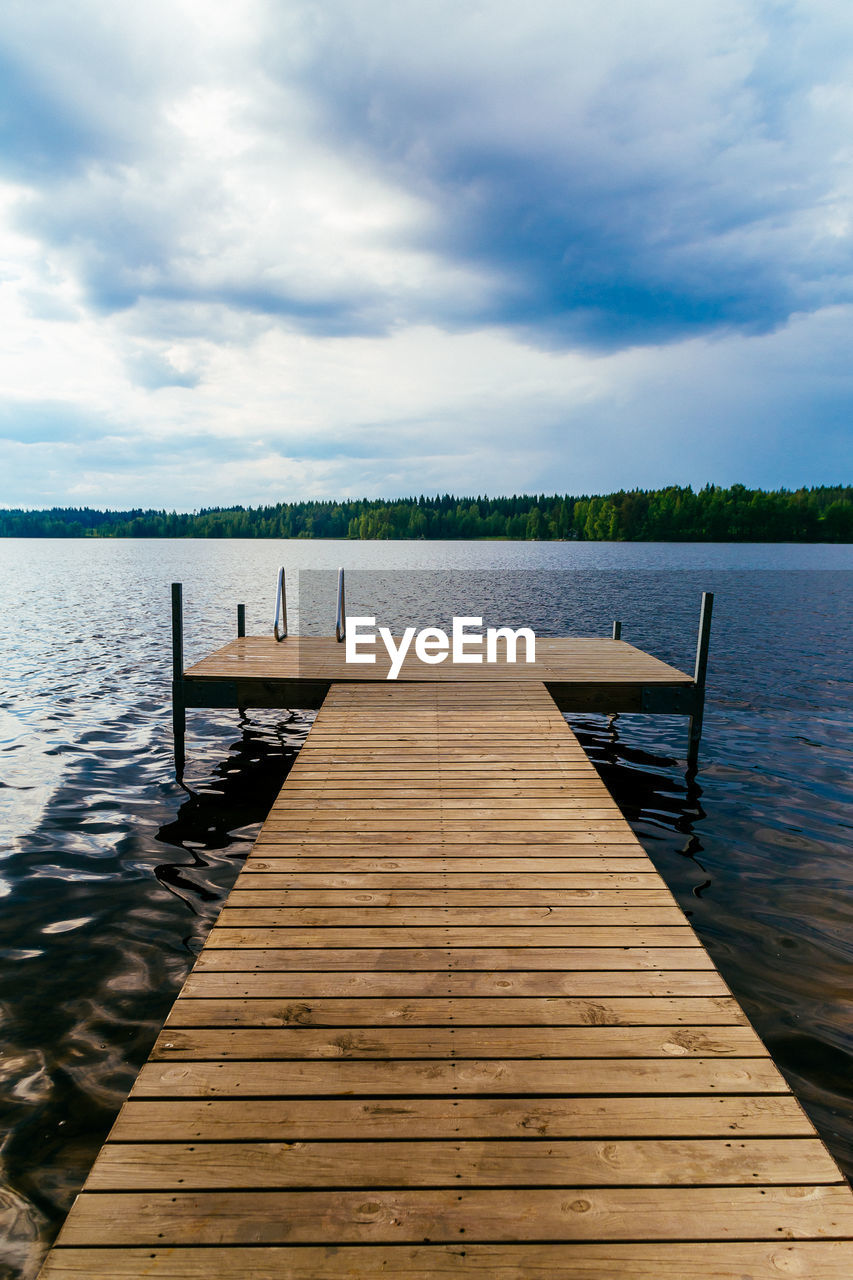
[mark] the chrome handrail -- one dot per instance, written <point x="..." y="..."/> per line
<point x="280" y="607"/>
<point x="340" y="617"/>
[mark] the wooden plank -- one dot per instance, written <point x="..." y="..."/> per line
<point x="310" y="770"/>
<point x="549" y="855"/>
<point x="479" y="833"/>
<point x="459" y="1042"/>
<point x="606" y="1119"/>
<point x="438" y="840"/>
<point x="594" y="1214"/>
<point x="495" y="866"/>
<point x="338" y="786"/>
<point x="523" y="1162"/>
<point x="561" y="1076"/>
<point x="505" y="959"/>
<point x="481" y="826"/>
<point x="302" y="985"/>
<point x="733" y="1260"/>
<point x="357" y="809"/>
<point x="449" y="879"/>
<point x="444" y="843"/>
<point x="625" y="1011"/>
<point x="258" y="914"/>
<point x="501" y="895"/>
<point x="568" y="939"/>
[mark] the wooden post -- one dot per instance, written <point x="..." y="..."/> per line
<point x="179" y="714"/>
<point x="617" y="629"/>
<point x="241" y="631"/>
<point x="700" y="671"/>
<point x="341" y="614"/>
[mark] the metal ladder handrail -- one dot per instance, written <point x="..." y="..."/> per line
<point x="340" y="616"/>
<point x="280" y="607"/>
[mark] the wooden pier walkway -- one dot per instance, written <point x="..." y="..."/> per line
<point x="452" y="1022"/>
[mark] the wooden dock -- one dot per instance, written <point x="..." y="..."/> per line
<point x="581" y="674"/>
<point x="452" y="1022"/>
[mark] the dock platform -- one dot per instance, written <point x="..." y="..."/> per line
<point x="581" y="674"/>
<point x="451" y="1022"/>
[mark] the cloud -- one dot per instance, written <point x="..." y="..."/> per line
<point x="628" y="176"/>
<point x="368" y="248"/>
<point x="46" y="422"/>
<point x="635" y="178"/>
<point x="298" y="416"/>
<point x="43" y="304"/>
<point x="152" y="369"/>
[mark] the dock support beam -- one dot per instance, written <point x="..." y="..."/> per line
<point x="179" y="713"/>
<point x="699" y="674"/>
<point x="617" y="629"/>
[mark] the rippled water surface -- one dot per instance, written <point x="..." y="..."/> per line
<point x="111" y="872"/>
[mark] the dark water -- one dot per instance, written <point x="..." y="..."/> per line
<point x="111" y="873"/>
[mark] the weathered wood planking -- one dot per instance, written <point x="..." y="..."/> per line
<point x="451" y="1021"/>
<point x="810" y="1260"/>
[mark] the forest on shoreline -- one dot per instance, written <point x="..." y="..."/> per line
<point x="673" y="514"/>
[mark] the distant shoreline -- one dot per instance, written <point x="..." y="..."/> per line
<point x="822" y="514"/>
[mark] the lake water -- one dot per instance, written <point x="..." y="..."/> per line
<point x="112" y="873"/>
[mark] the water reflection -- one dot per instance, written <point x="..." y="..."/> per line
<point x="767" y="896"/>
<point x="81" y="1010"/>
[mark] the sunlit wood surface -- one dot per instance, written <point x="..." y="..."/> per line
<point x="452" y="1022"/>
<point x="322" y="657"/>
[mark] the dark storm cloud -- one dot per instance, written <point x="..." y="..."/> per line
<point x="647" y="207"/>
<point x="617" y="178"/>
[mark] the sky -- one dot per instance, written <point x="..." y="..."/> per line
<point x="255" y="251"/>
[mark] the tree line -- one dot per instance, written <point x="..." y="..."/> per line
<point x="673" y="514"/>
